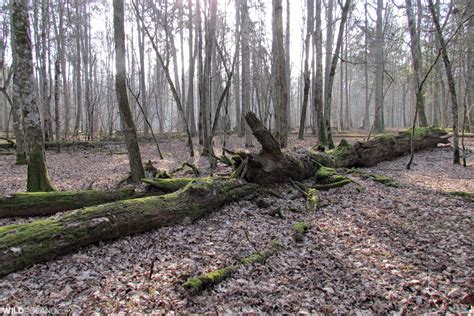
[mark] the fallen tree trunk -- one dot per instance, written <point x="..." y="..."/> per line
<point x="272" y="165"/>
<point x="198" y="283"/>
<point x="23" y="245"/>
<point x="49" y="203"/>
<point x="386" y="147"/>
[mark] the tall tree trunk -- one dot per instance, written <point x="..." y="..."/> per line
<point x="16" y="106"/>
<point x="415" y="47"/>
<point x="192" y="56"/>
<point x="379" y="123"/>
<point x="318" y="86"/>
<point x="78" y="33"/>
<point x="207" y="82"/>
<point x="470" y="65"/>
<point x="451" y="82"/>
<point x="64" y="71"/>
<point x="279" y="75"/>
<point x="134" y="156"/>
<point x="239" y="119"/>
<point x="332" y="72"/>
<point x="246" y="85"/>
<point x="45" y="92"/>
<point x="142" y="74"/>
<point x="341" y="90"/>
<point x="306" y="71"/>
<point x="288" y="64"/>
<point x="327" y="90"/>
<point x="366" y="120"/>
<point x="37" y="179"/>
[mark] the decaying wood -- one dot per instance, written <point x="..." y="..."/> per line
<point x="273" y="165"/>
<point x="26" y="244"/>
<point x="214" y="277"/>
<point x="48" y="203"/>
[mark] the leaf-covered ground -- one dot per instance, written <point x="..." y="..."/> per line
<point x="375" y="250"/>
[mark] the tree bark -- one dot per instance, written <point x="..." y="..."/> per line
<point x="134" y="156"/>
<point x="279" y="75"/>
<point x="16" y="108"/>
<point x="332" y="73"/>
<point x="451" y="83"/>
<point x="415" y="47"/>
<point x="48" y="203"/>
<point x="23" y="78"/>
<point x="379" y="123"/>
<point x="306" y="71"/>
<point x="246" y="86"/>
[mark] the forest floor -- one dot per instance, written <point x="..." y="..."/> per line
<point x="383" y="249"/>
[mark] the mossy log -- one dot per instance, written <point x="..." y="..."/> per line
<point x="168" y="185"/>
<point x="48" y="203"/>
<point x="23" y="245"/>
<point x="272" y="164"/>
<point x="386" y="147"/>
<point x="214" y="277"/>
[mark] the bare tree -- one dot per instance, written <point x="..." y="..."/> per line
<point x="379" y="123"/>
<point x="306" y="71"/>
<point x="279" y="75"/>
<point x="451" y="82"/>
<point x="14" y="102"/>
<point x="332" y="73"/>
<point x="417" y="59"/>
<point x="134" y="156"/>
<point x="23" y="79"/>
<point x="246" y="85"/>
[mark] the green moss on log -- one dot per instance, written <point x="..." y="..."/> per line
<point x="469" y="196"/>
<point x="343" y="149"/>
<point x="421" y="132"/>
<point x="332" y="185"/>
<point x="324" y="173"/>
<point x="48" y="203"/>
<point x="214" y="277"/>
<point x="23" y="245"/>
<point x="168" y="185"/>
<point x="328" y="178"/>
<point x="385" y="181"/>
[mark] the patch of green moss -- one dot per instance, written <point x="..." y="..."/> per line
<point x="325" y="173"/>
<point x="343" y="149"/>
<point x="300" y="227"/>
<point x="385" y="181"/>
<point x="46" y="203"/>
<point x="193" y="284"/>
<point x="462" y="194"/>
<point x="38" y="179"/>
<point x="421" y="132"/>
